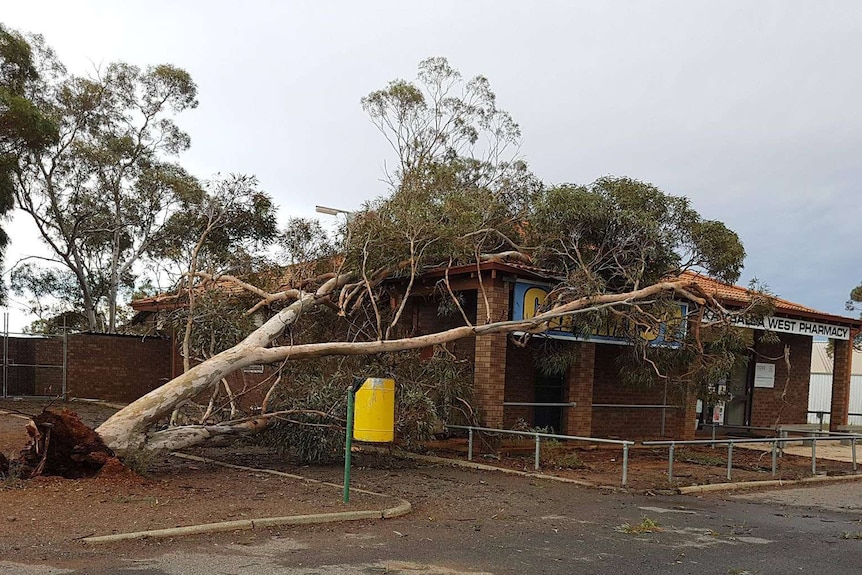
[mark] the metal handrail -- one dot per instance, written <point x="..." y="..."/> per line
<point x="540" y="404"/>
<point x="715" y="426"/>
<point x="538" y="437"/>
<point x="636" y="406"/>
<point x="820" y="415"/>
<point x="773" y="440"/>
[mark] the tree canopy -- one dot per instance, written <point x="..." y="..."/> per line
<point x="102" y="196"/>
<point x="25" y="125"/>
<point x="106" y="192"/>
<point x="460" y="195"/>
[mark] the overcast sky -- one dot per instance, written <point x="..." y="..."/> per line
<point x="750" y="109"/>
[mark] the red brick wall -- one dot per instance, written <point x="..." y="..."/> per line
<point x="787" y="402"/>
<point x="428" y="320"/>
<point x="635" y="423"/>
<point x="520" y="385"/>
<point x="115" y="367"/>
<point x="578" y="388"/>
<point x="39" y="366"/>
<point x="489" y="379"/>
<point x="580" y="381"/>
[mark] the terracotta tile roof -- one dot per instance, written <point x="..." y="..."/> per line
<point x="733" y="294"/>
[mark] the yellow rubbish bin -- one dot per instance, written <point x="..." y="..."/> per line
<point x="374" y="418"/>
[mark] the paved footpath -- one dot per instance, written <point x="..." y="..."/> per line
<point x="504" y="525"/>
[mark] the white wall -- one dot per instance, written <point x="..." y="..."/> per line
<point x="820" y="397"/>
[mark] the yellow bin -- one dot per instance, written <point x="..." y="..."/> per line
<point x="374" y="414"/>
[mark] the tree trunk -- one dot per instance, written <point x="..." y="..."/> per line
<point x="129" y="428"/>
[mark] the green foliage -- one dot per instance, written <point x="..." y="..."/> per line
<point x="307" y="249"/>
<point x="102" y="192"/>
<point x="456" y="192"/>
<point x="26" y="127"/>
<point x="618" y="234"/>
<point x="441" y="118"/>
<point x="141" y="461"/>
<point x="853" y="305"/>
<point x="699" y="458"/>
<point x="219" y="322"/>
<point x="691" y="367"/>
<point x="428" y="393"/>
<point x="55" y="298"/>
<point x="554" y="357"/>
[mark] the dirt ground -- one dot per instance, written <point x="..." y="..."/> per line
<point x="48" y="516"/>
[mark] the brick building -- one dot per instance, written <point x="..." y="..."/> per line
<point x="591" y="400"/>
<point x="111" y="367"/>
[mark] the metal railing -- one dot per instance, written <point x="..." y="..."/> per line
<point x="538" y="438"/>
<point x="775" y="441"/>
<point x="743" y="428"/>
<point x="820" y="414"/>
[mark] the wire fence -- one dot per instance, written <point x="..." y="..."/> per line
<point x="32" y="365"/>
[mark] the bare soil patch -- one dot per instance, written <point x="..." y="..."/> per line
<point x="648" y="466"/>
<point x="46" y="517"/>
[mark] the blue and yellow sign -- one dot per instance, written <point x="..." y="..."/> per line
<point x="530" y="297"/>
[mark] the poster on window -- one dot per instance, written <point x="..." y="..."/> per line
<point x="764" y="375"/>
<point x="718" y="413"/>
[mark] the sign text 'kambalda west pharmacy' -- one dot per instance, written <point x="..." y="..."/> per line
<point x="795" y="326"/>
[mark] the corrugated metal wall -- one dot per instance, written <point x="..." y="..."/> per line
<point x="820" y="397"/>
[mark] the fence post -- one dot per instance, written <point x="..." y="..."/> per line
<point x="853" y="451"/>
<point x="470" y="445"/>
<point x="713" y="436"/>
<point x="538" y="450"/>
<point x="5" y="353"/>
<point x="813" y="456"/>
<point x="774" y="457"/>
<point x="670" y="463"/>
<point x="65" y="356"/>
<point x="626" y="462"/>
<point x="729" y="459"/>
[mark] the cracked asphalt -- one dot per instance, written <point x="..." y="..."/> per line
<point x="489" y="523"/>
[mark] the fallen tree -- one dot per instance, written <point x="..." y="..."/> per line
<point x="131" y="427"/>
<point x="615" y="250"/>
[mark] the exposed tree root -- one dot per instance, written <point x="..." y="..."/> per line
<point x="60" y="444"/>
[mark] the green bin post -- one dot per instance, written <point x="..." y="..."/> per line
<point x="348" y="442"/>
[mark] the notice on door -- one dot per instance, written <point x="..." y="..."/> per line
<point x="764" y="375"/>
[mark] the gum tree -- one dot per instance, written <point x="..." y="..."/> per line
<point x="103" y="192"/>
<point x="460" y="195"/>
<point x="25" y="127"/>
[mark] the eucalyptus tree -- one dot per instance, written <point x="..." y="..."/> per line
<point x="222" y="231"/>
<point x="461" y="195"/>
<point x="102" y="194"/>
<point x="25" y="127"/>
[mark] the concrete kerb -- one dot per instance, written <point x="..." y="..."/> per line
<point x="690" y="489"/>
<point x="402" y="508"/>
<point x="715" y="487"/>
